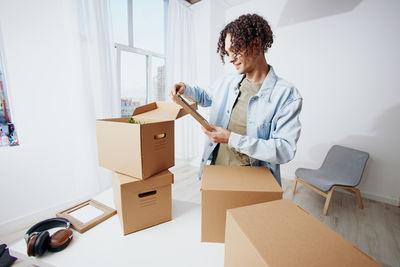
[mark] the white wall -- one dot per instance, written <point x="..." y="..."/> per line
<point x="209" y="20"/>
<point x="208" y="23"/>
<point x="218" y="22"/>
<point x="55" y="163"/>
<point x="346" y="66"/>
<point x="202" y="22"/>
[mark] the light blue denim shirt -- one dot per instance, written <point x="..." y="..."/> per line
<point x="273" y="125"/>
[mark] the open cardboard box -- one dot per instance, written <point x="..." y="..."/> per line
<point x="142" y="203"/>
<point x="279" y="233"/>
<point x="227" y="187"/>
<point x="139" y="150"/>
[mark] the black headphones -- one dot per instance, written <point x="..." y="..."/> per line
<point x="38" y="240"/>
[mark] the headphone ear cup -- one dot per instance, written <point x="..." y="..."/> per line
<point x="60" y="240"/>
<point x="41" y="243"/>
<point x="31" y="242"/>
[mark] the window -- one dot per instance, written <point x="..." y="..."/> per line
<point x="139" y="28"/>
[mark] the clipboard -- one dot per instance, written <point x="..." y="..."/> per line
<point x="185" y="105"/>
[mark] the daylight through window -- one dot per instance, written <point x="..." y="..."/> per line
<point x="139" y="34"/>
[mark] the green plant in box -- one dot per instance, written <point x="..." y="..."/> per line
<point x="132" y="120"/>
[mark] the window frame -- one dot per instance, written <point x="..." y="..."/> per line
<point x="147" y="53"/>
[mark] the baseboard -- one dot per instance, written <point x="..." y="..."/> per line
<point x="386" y="200"/>
<point x="373" y="197"/>
<point x="9" y="229"/>
<point x="391" y="201"/>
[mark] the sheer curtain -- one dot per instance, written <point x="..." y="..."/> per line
<point x="99" y="69"/>
<point x="67" y="72"/>
<point x="180" y="58"/>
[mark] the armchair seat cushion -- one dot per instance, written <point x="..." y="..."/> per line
<point x="320" y="179"/>
<point x="342" y="166"/>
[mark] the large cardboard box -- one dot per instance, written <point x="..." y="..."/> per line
<point x="227" y="187"/>
<point x="142" y="203"/>
<point x="139" y="150"/>
<point x="279" y="233"/>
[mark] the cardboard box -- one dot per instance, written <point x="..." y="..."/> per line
<point x="142" y="203"/>
<point x="227" y="187"/>
<point x="139" y="150"/>
<point x="279" y="233"/>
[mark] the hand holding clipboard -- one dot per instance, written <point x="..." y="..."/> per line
<point x="185" y="105"/>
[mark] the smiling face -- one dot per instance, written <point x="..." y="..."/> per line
<point x="243" y="63"/>
<point x="245" y="41"/>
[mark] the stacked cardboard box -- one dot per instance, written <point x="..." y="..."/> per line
<point x="139" y="155"/>
<point x="142" y="203"/>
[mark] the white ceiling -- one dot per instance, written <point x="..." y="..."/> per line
<point x="296" y="11"/>
<point x="235" y="2"/>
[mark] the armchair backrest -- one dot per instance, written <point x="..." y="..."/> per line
<point x="347" y="163"/>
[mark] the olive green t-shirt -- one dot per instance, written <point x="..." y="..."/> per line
<point x="238" y="124"/>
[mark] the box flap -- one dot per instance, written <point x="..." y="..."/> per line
<point x="239" y="178"/>
<point x="285" y="235"/>
<point x="160" y="111"/>
<point x="136" y="185"/>
<point x="113" y="120"/>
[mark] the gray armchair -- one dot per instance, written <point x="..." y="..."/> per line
<point x="343" y="167"/>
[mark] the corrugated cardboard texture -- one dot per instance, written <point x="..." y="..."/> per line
<point x="158" y="147"/>
<point x="139" y="150"/>
<point x="227" y="187"/>
<point x="279" y="233"/>
<point x="236" y="178"/>
<point x="159" y="111"/>
<point x="142" y="203"/>
<point x="242" y="246"/>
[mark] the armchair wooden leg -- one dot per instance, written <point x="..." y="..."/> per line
<point x="355" y="191"/>
<point x="328" y="201"/>
<point x="358" y="196"/>
<point x="294" y="185"/>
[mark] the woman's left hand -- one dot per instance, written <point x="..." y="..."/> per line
<point x="219" y="135"/>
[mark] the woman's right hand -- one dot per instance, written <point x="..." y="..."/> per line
<point x="177" y="89"/>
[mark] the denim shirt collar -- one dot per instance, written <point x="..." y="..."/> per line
<point x="267" y="85"/>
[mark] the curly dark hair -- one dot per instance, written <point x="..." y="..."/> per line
<point x="250" y="33"/>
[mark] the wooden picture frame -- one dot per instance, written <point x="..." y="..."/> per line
<point x="83" y="227"/>
<point x="186" y="106"/>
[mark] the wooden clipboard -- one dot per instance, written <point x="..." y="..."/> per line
<point x="185" y="105"/>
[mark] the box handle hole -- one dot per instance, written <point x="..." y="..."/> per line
<point x="160" y="136"/>
<point x="146" y="194"/>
